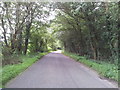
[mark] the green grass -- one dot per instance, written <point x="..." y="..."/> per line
<point x="11" y="71"/>
<point x="105" y="69"/>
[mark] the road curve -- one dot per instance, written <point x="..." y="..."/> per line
<point x="58" y="71"/>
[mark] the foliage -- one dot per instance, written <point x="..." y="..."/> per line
<point x="89" y="29"/>
<point x="105" y="69"/>
<point x="10" y="71"/>
<point x="9" y="57"/>
<point x="27" y="25"/>
<point x="85" y="28"/>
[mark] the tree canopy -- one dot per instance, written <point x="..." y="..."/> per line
<point x="86" y="28"/>
<point x="89" y="29"/>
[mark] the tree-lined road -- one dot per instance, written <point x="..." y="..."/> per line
<point x="58" y="71"/>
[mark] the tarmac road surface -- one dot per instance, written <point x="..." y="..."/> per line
<point x="58" y="71"/>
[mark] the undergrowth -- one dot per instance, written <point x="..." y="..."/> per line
<point x="105" y="69"/>
<point x="11" y="71"/>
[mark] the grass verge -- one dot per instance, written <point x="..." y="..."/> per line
<point x="105" y="69"/>
<point x="11" y="71"/>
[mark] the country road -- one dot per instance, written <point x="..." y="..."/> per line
<point x="58" y="71"/>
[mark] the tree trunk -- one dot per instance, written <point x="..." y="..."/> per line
<point x="36" y="46"/>
<point x="27" y="36"/>
<point x="20" y="43"/>
<point x="4" y="33"/>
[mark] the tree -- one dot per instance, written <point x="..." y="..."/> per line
<point x="89" y="29"/>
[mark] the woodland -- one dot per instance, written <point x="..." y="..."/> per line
<point x="88" y="29"/>
<point x="30" y="30"/>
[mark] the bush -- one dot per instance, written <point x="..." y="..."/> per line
<point x="8" y="57"/>
<point x="11" y="71"/>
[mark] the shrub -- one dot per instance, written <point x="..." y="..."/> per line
<point x="8" y="57"/>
